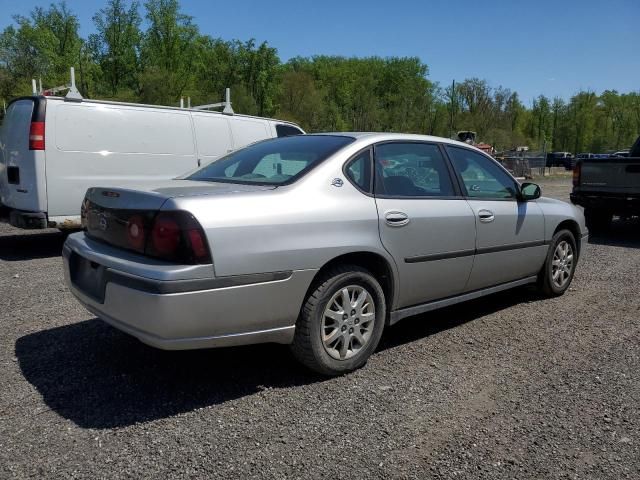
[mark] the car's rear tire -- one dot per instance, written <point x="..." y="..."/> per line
<point x="598" y="220"/>
<point x="333" y="340"/>
<point x="560" y="265"/>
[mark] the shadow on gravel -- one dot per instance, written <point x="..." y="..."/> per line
<point x="98" y="377"/>
<point x="622" y="233"/>
<point x="31" y="246"/>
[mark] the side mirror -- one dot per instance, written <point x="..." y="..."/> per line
<point x="529" y="191"/>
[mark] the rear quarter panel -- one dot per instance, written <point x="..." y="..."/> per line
<point x="297" y="227"/>
<point x="286" y="229"/>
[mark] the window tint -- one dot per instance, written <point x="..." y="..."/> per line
<point x="411" y="170"/>
<point x="359" y="170"/>
<point x="481" y="177"/>
<point x="287" y="130"/>
<point x="275" y="161"/>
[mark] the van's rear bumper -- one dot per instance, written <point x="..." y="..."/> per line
<point x="28" y="220"/>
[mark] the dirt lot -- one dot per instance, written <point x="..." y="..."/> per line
<point x="510" y="386"/>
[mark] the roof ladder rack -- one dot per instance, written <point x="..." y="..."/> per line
<point x="227" y="110"/>
<point x="72" y="95"/>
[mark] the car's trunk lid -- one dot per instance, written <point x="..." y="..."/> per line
<point x="124" y="217"/>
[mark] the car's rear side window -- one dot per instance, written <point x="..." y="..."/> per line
<point x="358" y="170"/>
<point x="411" y="170"/>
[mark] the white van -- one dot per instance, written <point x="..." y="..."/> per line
<point x="52" y="150"/>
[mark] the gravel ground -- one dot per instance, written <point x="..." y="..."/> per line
<point x="510" y="386"/>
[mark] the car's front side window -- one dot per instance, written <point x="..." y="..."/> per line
<point x="411" y="170"/>
<point x="481" y="177"/>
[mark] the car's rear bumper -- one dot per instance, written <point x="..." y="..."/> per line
<point x="176" y="315"/>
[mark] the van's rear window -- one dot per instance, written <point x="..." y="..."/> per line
<point x="273" y="162"/>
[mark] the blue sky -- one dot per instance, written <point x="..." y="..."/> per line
<point x="543" y="46"/>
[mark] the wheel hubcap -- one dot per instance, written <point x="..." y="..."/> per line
<point x="562" y="264"/>
<point x="347" y="323"/>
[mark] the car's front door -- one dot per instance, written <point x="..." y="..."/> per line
<point x="425" y="223"/>
<point x="510" y="233"/>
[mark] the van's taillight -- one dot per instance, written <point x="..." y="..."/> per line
<point x="178" y="237"/>
<point x="577" y="170"/>
<point x="36" y="136"/>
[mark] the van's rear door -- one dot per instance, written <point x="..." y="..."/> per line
<point x="22" y="170"/>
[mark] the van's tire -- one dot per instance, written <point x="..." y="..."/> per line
<point x="560" y="265"/>
<point x="327" y="342"/>
<point x="597" y="220"/>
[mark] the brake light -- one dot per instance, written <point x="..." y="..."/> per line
<point x="36" y="136"/>
<point x="577" y="171"/>
<point x="198" y="244"/>
<point x="178" y="237"/>
<point x="165" y="236"/>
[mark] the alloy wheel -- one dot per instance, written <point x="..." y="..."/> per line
<point x="562" y="264"/>
<point x="347" y="322"/>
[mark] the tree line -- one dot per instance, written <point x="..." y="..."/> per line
<point x="154" y="53"/>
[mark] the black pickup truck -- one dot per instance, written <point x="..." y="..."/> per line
<point x="608" y="186"/>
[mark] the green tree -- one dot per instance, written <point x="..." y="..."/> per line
<point x="117" y="44"/>
<point x="169" y="51"/>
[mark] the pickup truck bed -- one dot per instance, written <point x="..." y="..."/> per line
<point x="606" y="187"/>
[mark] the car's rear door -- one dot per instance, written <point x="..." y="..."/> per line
<point x="510" y="234"/>
<point x="425" y="223"/>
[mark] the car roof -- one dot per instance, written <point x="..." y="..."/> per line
<point x="382" y="137"/>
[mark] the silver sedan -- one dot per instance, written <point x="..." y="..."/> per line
<point x="318" y="241"/>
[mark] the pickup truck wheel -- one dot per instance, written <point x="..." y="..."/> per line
<point x="597" y="220"/>
<point x="341" y="321"/>
<point x="556" y="274"/>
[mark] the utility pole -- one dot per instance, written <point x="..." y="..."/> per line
<point x="453" y="91"/>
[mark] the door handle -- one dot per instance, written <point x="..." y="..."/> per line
<point x="396" y="219"/>
<point x="486" y="216"/>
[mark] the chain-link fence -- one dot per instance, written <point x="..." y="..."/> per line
<point x="521" y="166"/>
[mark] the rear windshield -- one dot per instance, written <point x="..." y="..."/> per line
<point x="272" y="162"/>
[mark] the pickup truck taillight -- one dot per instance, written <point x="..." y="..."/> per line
<point x="36" y="136"/>
<point x="577" y="170"/>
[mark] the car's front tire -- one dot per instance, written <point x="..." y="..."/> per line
<point x="341" y="322"/>
<point x="560" y="265"/>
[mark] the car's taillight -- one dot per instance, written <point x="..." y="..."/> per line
<point x="577" y="170"/>
<point x="36" y="136"/>
<point x="177" y="237"/>
<point x="165" y="235"/>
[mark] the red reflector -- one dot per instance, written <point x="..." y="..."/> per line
<point x="577" y="170"/>
<point x="36" y="136"/>
<point x="198" y="244"/>
<point x="135" y="232"/>
<point x="165" y="235"/>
